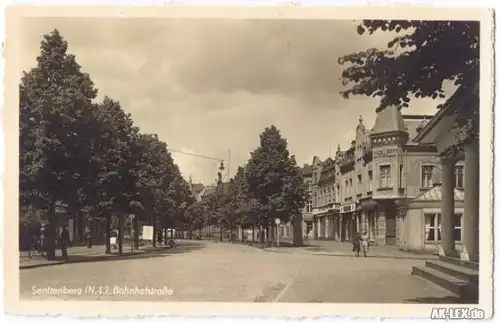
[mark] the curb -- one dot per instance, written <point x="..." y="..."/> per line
<point x="90" y="258"/>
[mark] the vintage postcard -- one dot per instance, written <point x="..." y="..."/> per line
<point x="256" y="162"/>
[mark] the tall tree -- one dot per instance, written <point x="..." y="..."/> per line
<point x="55" y="104"/>
<point x="420" y="57"/>
<point x="111" y="187"/>
<point x="275" y="180"/>
<point x="156" y="176"/>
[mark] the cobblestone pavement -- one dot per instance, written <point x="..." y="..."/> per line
<point x="209" y="271"/>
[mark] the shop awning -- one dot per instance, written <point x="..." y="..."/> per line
<point x="368" y="205"/>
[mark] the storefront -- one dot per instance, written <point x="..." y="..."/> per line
<point x="367" y="213"/>
<point x="348" y="221"/>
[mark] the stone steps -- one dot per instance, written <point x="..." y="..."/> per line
<point x="452" y="274"/>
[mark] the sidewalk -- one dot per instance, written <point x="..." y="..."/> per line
<point x="336" y="248"/>
<point x="80" y="254"/>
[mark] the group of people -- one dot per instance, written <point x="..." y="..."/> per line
<point x="38" y="242"/>
<point x="360" y="243"/>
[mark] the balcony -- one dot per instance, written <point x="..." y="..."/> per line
<point x="334" y="207"/>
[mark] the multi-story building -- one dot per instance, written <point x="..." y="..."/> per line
<point x="307" y="211"/>
<point x="374" y="180"/>
<point x="325" y="205"/>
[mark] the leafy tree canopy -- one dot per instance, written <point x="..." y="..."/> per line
<point x="274" y="179"/>
<point x="416" y="62"/>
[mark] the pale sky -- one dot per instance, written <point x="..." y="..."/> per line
<point x="211" y="86"/>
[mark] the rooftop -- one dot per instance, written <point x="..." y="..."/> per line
<point x="389" y="119"/>
<point x="435" y="194"/>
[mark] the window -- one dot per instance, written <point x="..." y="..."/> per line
<point x="346" y="188"/>
<point x="370" y="181"/>
<point x="359" y="184"/>
<point x="427" y="172"/>
<point x="400" y="175"/>
<point x="309" y="206"/>
<point x="433" y="227"/>
<point x="385" y="176"/>
<point x="350" y="187"/>
<point x="459" y="176"/>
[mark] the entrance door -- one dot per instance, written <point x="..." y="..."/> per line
<point x="390" y="233"/>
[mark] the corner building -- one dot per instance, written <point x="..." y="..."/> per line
<point x="366" y="186"/>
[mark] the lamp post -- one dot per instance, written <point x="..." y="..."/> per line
<point x="218" y="192"/>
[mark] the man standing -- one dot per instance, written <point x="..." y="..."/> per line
<point x="64" y="239"/>
<point x="88" y="237"/>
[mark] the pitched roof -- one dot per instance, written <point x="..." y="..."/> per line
<point x="389" y="119"/>
<point x="435" y="194"/>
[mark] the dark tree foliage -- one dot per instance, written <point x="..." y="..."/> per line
<point x="274" y="179"/>
<point x="89" y="156"/>
<point x="416" y="62"/>
<point x="55" y="118"/>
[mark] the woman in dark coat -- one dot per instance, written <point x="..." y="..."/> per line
<point x="356" y="244"/>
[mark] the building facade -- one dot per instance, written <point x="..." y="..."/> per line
<point x="382" y="170"/>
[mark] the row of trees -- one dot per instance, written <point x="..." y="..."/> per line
<point x="89" y="156"/>
<point x="269" y="187"/>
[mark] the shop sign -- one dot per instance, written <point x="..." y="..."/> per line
<point x="348" y="208"/>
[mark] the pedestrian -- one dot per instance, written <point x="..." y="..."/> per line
<point x="88" y="237"/>
<point x="33" y="243"/>
<point x="364" y="243"/>
<point x="356" y="247"/>
<point x="42" y="241"/>
<point x="64" y="240"/>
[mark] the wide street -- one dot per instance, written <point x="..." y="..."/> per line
<point x="210" y="271"/>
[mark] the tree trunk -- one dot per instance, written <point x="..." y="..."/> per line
<point x="135" y="242"/>
<point x="253" y="234"/>
<point x="190" y="234"/>
<point x="273" y="234"/>
<point x="50" y="233"/>
<point x="108" y="231"/>
<point x="261" y="235"/>
<point x="298" y="232"/>
<point x="121" y="224"/>
<point x="155" y="232"/>
<point x="221" y="232"/>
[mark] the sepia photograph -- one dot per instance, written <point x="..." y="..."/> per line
<point x="238" y="158"/>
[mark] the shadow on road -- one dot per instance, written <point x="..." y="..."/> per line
<point x="439" y="300"/>
<point x="141" y="254"/>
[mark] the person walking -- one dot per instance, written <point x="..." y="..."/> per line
<point x="88" y="237"/>
<point x="64" y="240"/>
<point x="42" y="241"/>
<point x="356" y="244"/>
<point x="364" y="243"/>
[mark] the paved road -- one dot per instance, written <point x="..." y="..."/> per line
<point x="208" y="271"/>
